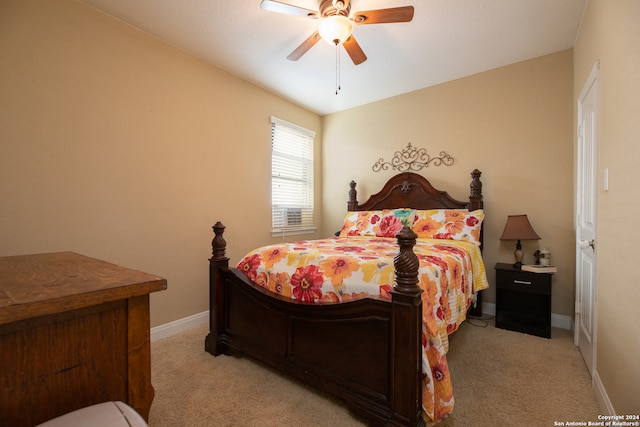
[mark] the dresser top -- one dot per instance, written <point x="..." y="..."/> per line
<point x="34" y="285"/>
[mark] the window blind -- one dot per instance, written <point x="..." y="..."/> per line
<point x="291" y="177"/>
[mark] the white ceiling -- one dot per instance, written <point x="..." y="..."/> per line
<point x="446" y="40"/>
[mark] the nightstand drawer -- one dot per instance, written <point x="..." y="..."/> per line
<point x="521" y="281"/>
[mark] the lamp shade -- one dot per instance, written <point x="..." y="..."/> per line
<point x="518" y="227"/>
<point x="335" y="29"/>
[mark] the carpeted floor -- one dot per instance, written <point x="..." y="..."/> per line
<point x="500" y="378"/>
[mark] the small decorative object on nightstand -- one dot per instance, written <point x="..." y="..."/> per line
<point x="523" y="300"/>
<point x="542" y="256"/>
<point x="518" y="228"/>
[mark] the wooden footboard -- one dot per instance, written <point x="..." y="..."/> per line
<point x="365" y="352"/>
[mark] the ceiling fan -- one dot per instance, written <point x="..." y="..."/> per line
<point x="335" y="24"/>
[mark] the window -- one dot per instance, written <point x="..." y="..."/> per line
<point x="291" y="178"/>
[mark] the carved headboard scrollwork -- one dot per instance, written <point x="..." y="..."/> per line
<point x="405" y="187"/>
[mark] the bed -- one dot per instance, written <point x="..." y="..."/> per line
<point x="372" y="349"/>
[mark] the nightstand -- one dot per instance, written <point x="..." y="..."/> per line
<point x="523" y="300"/>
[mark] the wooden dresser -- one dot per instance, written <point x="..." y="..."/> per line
<point x="74" y="331"/>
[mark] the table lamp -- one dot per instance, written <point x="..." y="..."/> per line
<point x="518" y="228"/>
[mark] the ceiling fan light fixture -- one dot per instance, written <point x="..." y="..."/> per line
<point x="335" y="29"/>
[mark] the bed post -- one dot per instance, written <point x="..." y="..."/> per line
<point x="217" y="262"/>
<point x="406" y="348"/>
<point x="475" y="202"/>
<point x="352" y="203"/>
<point x="475" y="194"/>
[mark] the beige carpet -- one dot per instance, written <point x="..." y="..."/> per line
<point x="500" y="378"/>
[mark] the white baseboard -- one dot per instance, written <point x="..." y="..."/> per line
<point x="601" y="394"/>
<point x="557" y="320"/>
<point x="189" y="322"/>
<point x="489" y="308"/>
<point x="180" y="325"/>
<point x="562" y="321"/>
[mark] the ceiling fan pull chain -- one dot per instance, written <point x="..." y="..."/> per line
<point x="337" y="68"/>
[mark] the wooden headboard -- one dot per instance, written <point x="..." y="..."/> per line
<point x="410" y="190"/>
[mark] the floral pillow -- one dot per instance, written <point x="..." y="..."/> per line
<point x="381" y="223"/>
<point x="450" y="224"/>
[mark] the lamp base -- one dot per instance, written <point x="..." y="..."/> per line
<point x="518" y="254"/>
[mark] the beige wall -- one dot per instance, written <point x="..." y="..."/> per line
<point x="116" y="145"/>
<point x="610" y="33"/>
<point x="513" y="123"/>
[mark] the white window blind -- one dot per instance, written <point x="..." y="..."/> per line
<point x="291" y="178"/>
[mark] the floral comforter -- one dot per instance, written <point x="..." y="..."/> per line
<point x="348" y="268"/>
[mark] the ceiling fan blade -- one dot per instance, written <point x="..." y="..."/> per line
<point x="288" y="9"/>
<point x="384" y="16"/>
<point x="354" y="50"/>
<point x="304" y="47"/>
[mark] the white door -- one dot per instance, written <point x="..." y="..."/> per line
<point x="586" y="217"/>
